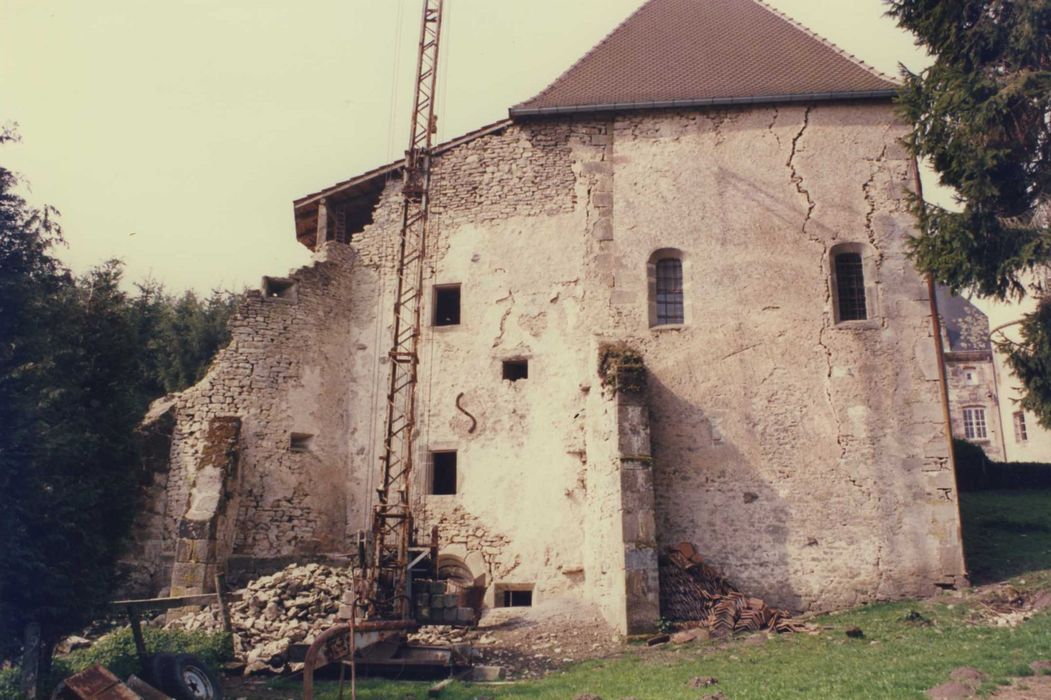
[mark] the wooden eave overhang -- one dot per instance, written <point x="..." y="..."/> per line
<point x="361" y="192"/>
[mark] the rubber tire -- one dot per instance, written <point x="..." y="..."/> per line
<point x="187" y="678"/>
<point x="161" y="666"/>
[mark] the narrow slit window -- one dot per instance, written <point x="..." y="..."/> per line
<point x="974" y="427"/>
<point x="669" y="292"/>
<point x="443" y="473"/>
<point x="447" y="305"/>
<point x="850" y="287"/>
<point x="516" y="369"/>
<point x="1021" y="432"/>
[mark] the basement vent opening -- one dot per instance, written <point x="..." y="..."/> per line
<point x="516" y="369"/>
<point x="447" y="305"/>
<point x="279" y="288"/>
<point x="300" y="442"/>
<point x="443" y="473"/>
<point x="517" y="595"/>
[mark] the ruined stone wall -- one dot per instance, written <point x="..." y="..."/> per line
<point x="806" y="459"/>
<point x="281" y="374"/>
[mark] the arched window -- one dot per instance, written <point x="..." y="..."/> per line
<point x="852" y="294"/>
<point x="669" y="291"/>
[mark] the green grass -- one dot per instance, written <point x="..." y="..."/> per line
<point x="1006" y="533"/>
<point x="1009" y="534"/>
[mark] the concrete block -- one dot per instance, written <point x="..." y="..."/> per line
<point x="487" y="674"/>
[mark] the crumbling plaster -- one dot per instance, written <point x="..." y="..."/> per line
<point x="808" y="461"/>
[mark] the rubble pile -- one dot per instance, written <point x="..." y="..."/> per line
<point x="293" y="605"/>
<point x="694" y="592"/>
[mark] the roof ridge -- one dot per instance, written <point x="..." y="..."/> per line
<point x="587" y="54"/>
<point x="830" y="44"/>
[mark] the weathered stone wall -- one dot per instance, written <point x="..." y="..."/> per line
<point x="281" y="374"/>
<point x="808" y="460"/>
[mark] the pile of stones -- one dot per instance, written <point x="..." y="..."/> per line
<point x="291" y="606"/>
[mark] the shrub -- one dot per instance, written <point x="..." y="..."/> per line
<point x="621" y="368"/>
<point x="116" y="651"/>
<point x="10" y="683"/>
<point x="976" y="472"/>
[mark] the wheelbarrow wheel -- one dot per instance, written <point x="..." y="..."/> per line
<point x="185" y="677"/>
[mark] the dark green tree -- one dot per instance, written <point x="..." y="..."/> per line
<point x="980" y="114"/>
<point x="79" y="362"/>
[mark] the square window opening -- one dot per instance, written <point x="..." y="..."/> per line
<point x="279" y="288"/>
<point x="443" y="473"/>
<point x="300" y="442"/>
<point x="516" y="369"/>
<point x="447" y="305"/>
<point x="514" y="596"/>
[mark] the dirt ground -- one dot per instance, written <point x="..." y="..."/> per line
<point x="530" y="642"/>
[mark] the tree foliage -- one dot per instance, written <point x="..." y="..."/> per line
<point x="981" y="114"/>
<point x="80" y="360"/>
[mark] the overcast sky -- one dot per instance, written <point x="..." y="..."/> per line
<point x="174" y="134"/>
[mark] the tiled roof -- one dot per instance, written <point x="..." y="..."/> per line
<point x="702" y="52"/>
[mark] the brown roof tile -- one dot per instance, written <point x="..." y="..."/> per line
<point x="697" y="52"/>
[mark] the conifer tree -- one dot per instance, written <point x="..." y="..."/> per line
<point x="981" y="115"/>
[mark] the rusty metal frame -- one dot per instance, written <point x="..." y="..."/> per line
<point x="329" y="646"/>
<point x="392" y="516"/>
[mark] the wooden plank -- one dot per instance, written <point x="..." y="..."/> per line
<point x="143" y="604"/>
<point x="31" y="661"/>
<point x="140" y="642"/>
<point x="220" y="594"/>
<point x="145" y="690"/>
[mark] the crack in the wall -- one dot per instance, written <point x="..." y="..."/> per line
<point x="797" y="179"/>
<point x="870" y="197"/>
<point x="770" y="127"/>
<point x="828" y="394"/>
<point x="503" y="319"/>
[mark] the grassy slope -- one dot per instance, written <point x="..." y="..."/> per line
<point x="1008" y="534"/>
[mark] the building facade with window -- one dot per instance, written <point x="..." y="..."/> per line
<point x="1025" y="439"/>
<point x="738" y="217"/>
<point x="974" y="401"/>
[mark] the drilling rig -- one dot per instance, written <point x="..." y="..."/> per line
<point x="383" y="590"/>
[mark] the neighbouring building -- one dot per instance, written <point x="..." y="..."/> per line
<point x="1025" y="440"/>
<point x="971" y="375"/>
<point x="713" y="187"/>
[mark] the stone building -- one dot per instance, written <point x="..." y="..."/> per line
<point x="974" y="404"/>
<point x="713" y="187"/>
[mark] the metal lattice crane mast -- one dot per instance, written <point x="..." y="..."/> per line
<point x="392" y="516"/>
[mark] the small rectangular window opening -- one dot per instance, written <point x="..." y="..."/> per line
<point x="850" y="287"/>
<point x="974" y="427"/>
<point x="514" y="596"/>
<point x="300" y="442"/>
<point x="1021" y="432"/>
<point x="516" y="369"/>
<point x="669" y="292"/>
<point x="443" y="473"/>
<point x="447" y="305"/>
<point x="279" y="288"/>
